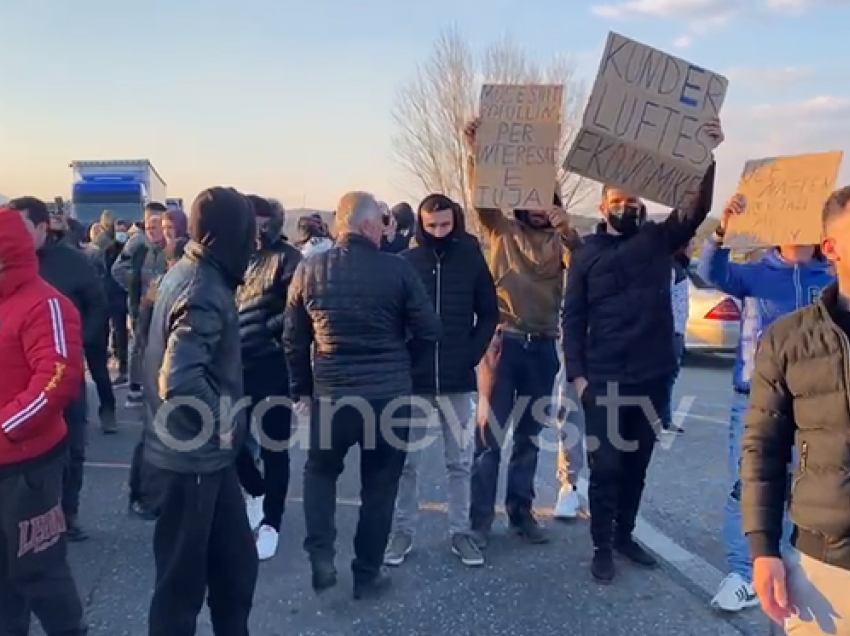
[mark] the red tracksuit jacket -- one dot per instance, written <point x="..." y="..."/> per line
<point x="41" y="350"/>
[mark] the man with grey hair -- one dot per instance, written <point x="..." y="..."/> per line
<point x="354" y="317"/>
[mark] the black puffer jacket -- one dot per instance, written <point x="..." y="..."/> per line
<point x="617" y="317"/>
<point x="193" y="358"/>
<point x="798" y="397"/>
<point x="357" y="307"/>
<point x="461" y="288"/>
<point x="261" y="302"/>
<point x="73" y="275"/>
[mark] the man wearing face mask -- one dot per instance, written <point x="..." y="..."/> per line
<point x="69" y="270"/>
<point x="452" y="267"/>
<point x="202" y="544"/>
<point x="116" y="298"/>
<point x="527" y="251"/>
<point x="619" y="352"/>
<point x="261" y="301"/>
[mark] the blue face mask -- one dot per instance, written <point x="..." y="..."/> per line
<point x="121" y="237"/>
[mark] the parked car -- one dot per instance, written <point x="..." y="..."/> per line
<point x="714" y="322"/>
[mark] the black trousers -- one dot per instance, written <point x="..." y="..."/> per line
<point x="145" y="481"/>
<point x="334" y="429"/>
<point x="97" y="360"/>
<point x="120" y="336"/>
<point x="620" y="425"/>
<point x="203" y="547"/>
<point x="76" y="417"/>
<point x="34" y="574"/>
<point x="272" y="424"/>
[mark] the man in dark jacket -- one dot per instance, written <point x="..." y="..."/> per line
<point x="261" y="301"/>
<point x="70" y="272"/>
<point x="402" y="221"/>
<point x="351" y="309"/>
<point x="799" y="398"/>
<point x="452" y="267"/>
<point x="618" y="329"/>
<point x="192" y="381"/>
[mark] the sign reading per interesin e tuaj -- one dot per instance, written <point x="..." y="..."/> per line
<point x="516" y="163"/>
<point x="643" y="129"/>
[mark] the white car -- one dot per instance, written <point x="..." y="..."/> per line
<point x="714" y="319"/>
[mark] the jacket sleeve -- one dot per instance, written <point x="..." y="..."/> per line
<point x="574" y="320"/>
<point x="715" y="268"/>
<point x="51" y="339"/>
<point x="196" y="329"/>
<point x="422" y="321"/>
<point x="298" y="338"/>
<point x="486" y="304"/>
<point x="682" y="225"/>
<point x="122" y="268"/>
<point x="287" y="269"/>
<point x="767" y="449"/>
<point x="93" y="309"/>
<point x="146" y="311"/>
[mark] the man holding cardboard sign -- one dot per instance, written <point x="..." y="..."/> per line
<point x="527" y="249"/>
<point x="620" y="354"/>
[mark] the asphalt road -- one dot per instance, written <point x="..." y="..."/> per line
<point x="522" y="589"/>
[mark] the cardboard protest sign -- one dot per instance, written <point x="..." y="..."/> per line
<point x="517" y="146"/>
<point x="643" y="127"/>
<point x="785" y="197"/>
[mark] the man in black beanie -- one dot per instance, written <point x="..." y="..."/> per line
<point x="203" y="546"/>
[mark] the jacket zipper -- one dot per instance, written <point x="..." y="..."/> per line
<point x="439" y="272"/>
<point x="798" y="287"/>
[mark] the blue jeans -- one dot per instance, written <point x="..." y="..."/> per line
<point x="738" y="558"/>
<point x="511" y="391"/>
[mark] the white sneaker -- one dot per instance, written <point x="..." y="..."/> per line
<point x="267" y="539"/>
<point x="570" y="504"/>
<point x="254" y="508"/>
<point x="734" y="594"/>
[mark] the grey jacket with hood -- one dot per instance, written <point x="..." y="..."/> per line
<point x="193" y="360"/>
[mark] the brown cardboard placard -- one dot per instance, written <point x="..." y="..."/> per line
<point x="785" y="197"/>
<point x="516" y="163"/>
<point x="642" y="129"/>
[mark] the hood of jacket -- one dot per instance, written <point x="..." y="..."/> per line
<point x="223" y="231"/>
<point x="18" y="260"/>
<point x="421" y="238"/>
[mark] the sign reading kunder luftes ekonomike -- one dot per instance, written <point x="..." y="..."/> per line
<point x="643" y="129"/>
<point x="516" y="163"/>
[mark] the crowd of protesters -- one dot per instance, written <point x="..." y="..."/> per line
<point x="402" y="315"/>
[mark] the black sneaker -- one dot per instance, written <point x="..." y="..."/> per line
<point x="372" y="588"/>
<point x="635" y="553"/>
<point x="324" y="576"/>
<point x="142" y="512"/>
<point x="74" y="532"/>
<point x="108" y="422"/>
<point x="527" y="527"/>
<point x="602" y="567"/>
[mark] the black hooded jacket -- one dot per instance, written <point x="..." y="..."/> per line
<point x="193" y="359"/>
<point x="461" y="288"/>
<point x="261" y="301"/>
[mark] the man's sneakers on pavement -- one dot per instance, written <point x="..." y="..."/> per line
<point x="398" y="547"/>
<point x="108" y="421"/>
<point x="134" y="399"/>
<point x="463" y="546"/>
<point x="635" y="552"/>
<point x="526" y="527"/>
<point x="73" y="531"/>
<point x="467" y="550"/>
<point x="734" y="594"/>
<point x="602" y="566"/>
<point x="570" y="505"/>
<point x="254" y="508"/>
<point x="267" y="540"/>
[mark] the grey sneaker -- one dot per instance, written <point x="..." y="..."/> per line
<point x="467" y="550"/>
<point x="398" y="547"/>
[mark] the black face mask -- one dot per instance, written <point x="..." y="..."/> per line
<point x="625" y="219"/>
<point x="435" y="242"/>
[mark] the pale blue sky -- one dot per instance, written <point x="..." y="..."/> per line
<point x="292" y="98"/>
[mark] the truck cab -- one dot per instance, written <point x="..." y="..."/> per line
<point x="123" y="187"/>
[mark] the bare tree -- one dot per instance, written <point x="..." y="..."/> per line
<point x="433" y="107"/>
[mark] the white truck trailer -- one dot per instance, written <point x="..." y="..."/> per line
<point x="124" y="187"/>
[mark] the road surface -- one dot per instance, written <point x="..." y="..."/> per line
<point x="522" y="589"/>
